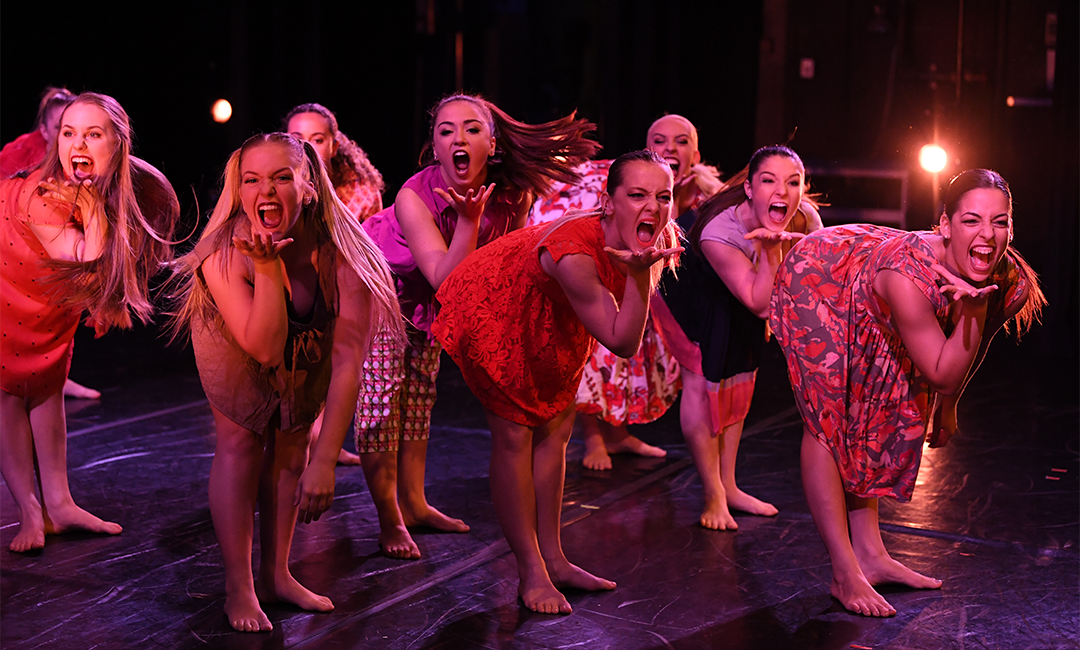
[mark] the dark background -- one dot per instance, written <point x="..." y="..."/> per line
<point x="885" y="75"/>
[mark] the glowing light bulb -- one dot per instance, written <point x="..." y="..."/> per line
<point x="221" y="111"/>
<point x="932" y="158"/>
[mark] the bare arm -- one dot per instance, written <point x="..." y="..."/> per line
<point x="253" y="307"/>
<point x="521" y="214"/>
<point x="433" y="257"/>
<point x="352" y="332"/>
<point x="945" y="361"/>
<point x="69" y="242"/>
<point x="751" y="283"/>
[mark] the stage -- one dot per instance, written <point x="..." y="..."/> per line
<point x="995" y="515"/>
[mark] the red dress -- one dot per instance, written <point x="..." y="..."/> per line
<point x="38" y="336"/>
<point x="510" y="327"/>
<point x="23" y="152"/>
<point x="856" y="387"/>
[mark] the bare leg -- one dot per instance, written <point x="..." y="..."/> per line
<point x="284" y="461"/>
<point x="61" y="514"/>
<point x="736" y="498"/>
<point x="234" y="484"/>
<point x="876" y="563"/>
<point x="825" y="495"/>
<point x="596" y="452"/>
<point x="618" y="440"/>
<point x="549" y="477"/>
<point x="381" y="474"/>
<point x="415" y="510"/>
<point x="17" y="465"/>
<point x="514" y="497"/>
<point x="705" y="450"/>
<point x="344" y="457"/>
<point x="78" y="391"/>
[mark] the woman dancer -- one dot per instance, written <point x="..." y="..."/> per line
<point x="483" y="170"/>
<point x="356" y="181"/>
<point x="283" y="288"/>
<point x="77" y="235"/>
<point x="520" y="317"/>
<point x="882" y="329"/>
<point x="712" y="317"/>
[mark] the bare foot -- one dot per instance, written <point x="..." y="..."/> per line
<point x="541" y="596"/>
<point x="346" y="457"/>
<point x="564" y="574"/>
<point x="397" y="543"/>
<point x="634" y="445"/>
<point x="245" y="615"/>
<point x="432" y="518"/>
<point x="78" y="391"/>
<point x="69" y="517"/>
<point x="716" y="515"/>
<point x="885" y="570"/>
<point x="596" y="457"/>
<point x="856" y="595"/>
<point x="31" y="535"/>
<point x="739" y="500"/>
<point x="286" y="589"/>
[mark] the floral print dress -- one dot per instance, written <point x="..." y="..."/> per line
<point x="855" y="385"/>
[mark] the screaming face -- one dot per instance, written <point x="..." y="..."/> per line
<point x="271" y="189"/>
<point x="775" y="192"/>
<point x="977" y="234"/>
<point x="463" y="142"/>
<point x="640" y="207"/>
<point x="86" y="142"/>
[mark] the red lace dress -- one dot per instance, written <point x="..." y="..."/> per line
<point x="38" y="335"/>
<point x="856" y="387"/>
<point x="510" y="327"/>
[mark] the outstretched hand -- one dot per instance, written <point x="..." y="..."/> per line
<point x="314" y="493"/>
<point x="960" y="288"/>
<point x="643" y="259"/>
<point x="470" y="206"/>
<point x="766" y="235"/>
<point x="80" y="193"/>
<point x="261" y="248"/>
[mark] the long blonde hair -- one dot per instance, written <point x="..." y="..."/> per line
<point x="327" y="215"/>
<point x="116" y="284"/>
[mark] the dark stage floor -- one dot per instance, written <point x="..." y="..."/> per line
<point x="995" y="515"/>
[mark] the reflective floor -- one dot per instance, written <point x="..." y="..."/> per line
<point x="995" y="515"/>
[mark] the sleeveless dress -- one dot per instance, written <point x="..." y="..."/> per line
<point x="510" y="327"/>
<point x="855" y="385"/>
<point x="620" y="391"/>
<point x="38" y="335"/>
<point x="261" y="398"/>
<point x="397" y="390"/>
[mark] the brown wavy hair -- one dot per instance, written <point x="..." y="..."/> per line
<point x="528" y="157"/>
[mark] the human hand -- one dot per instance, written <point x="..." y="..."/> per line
<point x="469" y="207"/>
<point x="314" y="492"/>
<point x="767" y="236"/>
<point x="643" y="259"/>
<point x="261" y="248"/>
<point x="960" y="288"/>
<point x="80" y="193"/>
<point x="944" y="425"/>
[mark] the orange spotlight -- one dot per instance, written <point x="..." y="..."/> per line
<point x="221" y="111"/>
<point x="932" y="158"/>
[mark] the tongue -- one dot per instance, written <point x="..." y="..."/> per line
<point x="82" y="170"/>
<point x="777" y="214"/>
<point x="645" y="233"/>
<point x="980" y="262"/>
<point x="270" y="218"/>
<point x="461" y="163"/>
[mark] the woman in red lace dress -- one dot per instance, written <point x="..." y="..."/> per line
<point x="520" y="317"/>
<point x="882" y="329"/>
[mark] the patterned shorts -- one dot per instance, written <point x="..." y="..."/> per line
<point x="397" y="392"/>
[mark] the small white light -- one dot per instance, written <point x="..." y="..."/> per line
<point x="222" y="111"/>
<point x="932" y="158"/>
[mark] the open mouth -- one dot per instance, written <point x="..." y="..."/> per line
<point x="674" y="164"/>
<point x="982" y="258"/>
<point x="82" y="167"/>
<point x="270" y="215"/>
<point x="461" y="162"/>
<point x="646" y="231"/>
<point x="778" y="212"/>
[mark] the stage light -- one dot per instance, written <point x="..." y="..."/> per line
<point x="932" y="158"/>
<point x="222" y="111"/>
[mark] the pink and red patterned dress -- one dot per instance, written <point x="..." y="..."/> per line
<point x="856" y="387"/>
